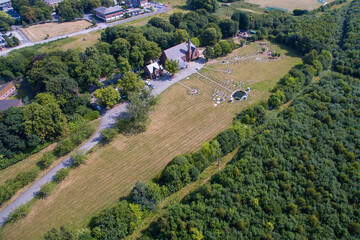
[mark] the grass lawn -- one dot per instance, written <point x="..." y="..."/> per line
<point x="78" y="43"/>
<point x="227" y="9"/>
<point x="41" y="31"/>
<point x="180" y="124"/>
<point x="174" y="4"/>
<point x="288" y="4"/>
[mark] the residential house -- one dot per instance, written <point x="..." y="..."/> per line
<point x="154" y="70"/>
<point x="5" y="104"/>
<point x="7" y="90"/>
<point x="109" y="14"/>
<point x="183" y="52"/>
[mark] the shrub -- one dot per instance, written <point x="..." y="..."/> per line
<point x="18" y="213"/>
<point x="45" y="190"/>
<point x="109" y="134"/>
<point x="61" y="175"/>
<point x="79" y="158"/>
<point x="92" y="115"/>
<point x="64" y="147"/>
<point x="46" y="160"/>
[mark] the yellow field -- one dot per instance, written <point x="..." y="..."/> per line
<point x="289" y="4"/>
<point x="180" y="124"/>
<point x="40" y="31"/>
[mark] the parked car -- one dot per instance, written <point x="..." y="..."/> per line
<point x="147" y="83"/>
<point x="152" y="86"/>
<point x="97" y="107"/>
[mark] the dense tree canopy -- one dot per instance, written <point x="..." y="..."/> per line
<point x="47" y="121"/>
<point x="107" y="96"/>
<point x="283" y="184"/>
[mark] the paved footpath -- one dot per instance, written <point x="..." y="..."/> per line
<point x="108" y="118"/>
<point x="99" y="27"/>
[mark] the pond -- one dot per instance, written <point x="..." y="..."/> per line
<point x="239" y="95"/>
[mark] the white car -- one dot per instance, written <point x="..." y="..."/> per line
<point x="147" y="83"/>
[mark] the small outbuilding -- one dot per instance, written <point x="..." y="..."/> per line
<point x="154" y="70"/>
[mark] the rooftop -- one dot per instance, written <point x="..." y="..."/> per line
<point x="4" y="1"/>
<point x="5" y="104"/>
<point x="153" y="66"/>
<point x="109" y="10"/>
<point x="4" y="85"/>
<point x="178" y="51"/>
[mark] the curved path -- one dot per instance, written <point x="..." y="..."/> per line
<point x="108" y="118"/>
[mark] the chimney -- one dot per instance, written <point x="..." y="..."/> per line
<point x="189" y="50"/>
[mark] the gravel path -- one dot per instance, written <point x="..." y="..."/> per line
<point x="108" y="118"/>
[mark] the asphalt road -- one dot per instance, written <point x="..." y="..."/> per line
<point x="27" y="43"/>
<point x="108" y="118"/>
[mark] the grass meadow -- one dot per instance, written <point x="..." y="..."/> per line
<point x="180" y="124"/>
<point x="288" y="4"/>
<point x="41" y="31"/>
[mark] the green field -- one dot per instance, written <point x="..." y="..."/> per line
<point x="180" y="124"/>
<point x="288" y="4"/>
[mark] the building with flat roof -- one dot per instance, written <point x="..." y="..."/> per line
<point x="5" y="3"/>
<point x="109" y="14"/>
<point x="136" y="3"/>
<point x="52" y="3"/>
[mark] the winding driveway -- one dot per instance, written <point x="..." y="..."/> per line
<point x="108" y="118"/>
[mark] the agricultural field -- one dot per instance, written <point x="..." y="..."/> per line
<point x="288" y="4"/>
<point x="48" y="30"/>
<point x="181" y="122"/>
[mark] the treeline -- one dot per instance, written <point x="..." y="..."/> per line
<point x="5" y="22"/>
<point x="299" y="76"/>
<point x="284" y="183"/>
<point x="203" y="28"/>
<point x="221" y="49"/>
<point x="68" y="10"/>
<point x="348" y="61"/>
<point x="32" y="11"/>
